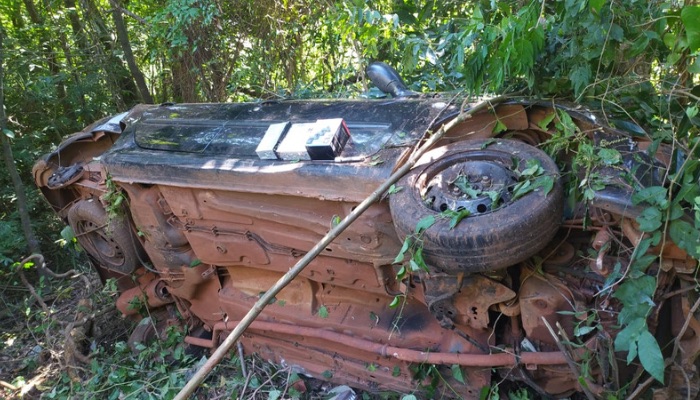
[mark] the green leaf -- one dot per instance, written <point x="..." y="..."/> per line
<point x="402" y="273"/>
<point x="195" y="262"/>
<point x="418" y="259"/>
<point x="582" y="330"/>
<point x="649" y="220"/>
<point x="274" y="394"/>
<point x="610" y="156"/>
<point x="690" y="15"/>
<point x="488" y="143"/>
<point x="396" y="371"/>
<point x="636" y="297"/>
<point x="686" y="237"/>
<point x="639" y="46"/>
<point x="458" y="216"/>
<point x="499" y="127"/>
<point x="676" y="211"/>
<point x="632" y="352"/>
<point x="650" y="355"/>
<point x="580" y="78"/>
<point x="463" y="184"/>
<point x="546" y="182"/>
<point x="596" y="5"/>
<point x="546" y="121"/>
<point x="409" y="397"/>
<point x="669" y="40"/>
<point x="642" y="247"/>
<point x="414" y="266"/>
<point x="533" y="168"/>
<point x="425" y="223"/>
<point x="335" y="221"/>
<point x="521" y="189"/>
<point x="688" y="191"/>
<point x="457" y="373"/>
<point x="653" y="195"/>
<point x="323" y="312"/>
<point x="393" y="189"/>
<point x="395" y="302"/>
<point x="642" y="263"/>
<point x="406" y="244"/>
<point x="8" y="133"/>
<point x="375" y="160"/>
<point x="629" y="334"/>
<point x="67" y="233"/>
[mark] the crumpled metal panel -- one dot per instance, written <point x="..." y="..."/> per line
<point x="220" y="226"/>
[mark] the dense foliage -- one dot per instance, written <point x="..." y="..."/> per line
<point x="68" y="63"/>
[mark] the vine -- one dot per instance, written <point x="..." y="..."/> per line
<point x="113" y="199"/>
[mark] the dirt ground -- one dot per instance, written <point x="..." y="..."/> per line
<point x="36" y="346"/>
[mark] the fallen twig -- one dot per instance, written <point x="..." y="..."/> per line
<point x="242" y="359"/>
<point x="8" y="386"/>
<point x="569" y="360"/>
<point x="20" y="270"/>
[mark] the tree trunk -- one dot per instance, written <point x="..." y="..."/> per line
<point x="49" y="54"/>
<point x="76" y="26"/>
<point x="15" y="14"/>
<point x="122" y="84"/>
<point x="184" y="80"/>
<point x="123" y="37"/>
<point x="32" y="241"/>
<point x="71" y="66"/>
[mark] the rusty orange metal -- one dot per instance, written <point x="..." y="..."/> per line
<point x="211" y="227"/>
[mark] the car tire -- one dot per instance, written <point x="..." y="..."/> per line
<point x="110" y="242"/>
<point x="495" y="235"/>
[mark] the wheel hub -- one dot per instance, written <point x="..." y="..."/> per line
<point x="478" y="184"/>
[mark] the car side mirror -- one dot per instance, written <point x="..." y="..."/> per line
<point x="388" y="80"/>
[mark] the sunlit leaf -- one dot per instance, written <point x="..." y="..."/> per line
<point x="544" y="123"/>
<point x="499" y="127"/>
<point x="596" y="5"/>
<point x="395" y="302"/>
<point x="690" y="15"/>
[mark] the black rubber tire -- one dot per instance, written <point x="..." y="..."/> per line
<point x="115" y="247"/>
<point x="489" y="241"/>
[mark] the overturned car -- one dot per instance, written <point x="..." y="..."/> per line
<point x="495" y="258"/>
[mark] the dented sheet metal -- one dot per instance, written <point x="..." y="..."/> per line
<point x="208" y="226"/>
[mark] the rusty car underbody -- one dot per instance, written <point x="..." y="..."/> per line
<point x="173" y="202"/>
